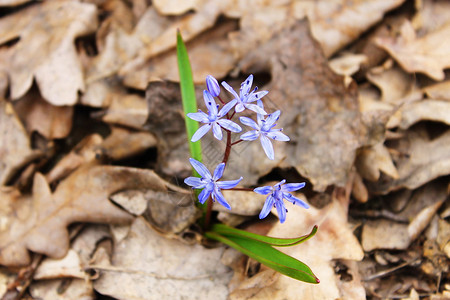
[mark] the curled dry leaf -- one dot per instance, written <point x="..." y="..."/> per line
<point x="175" y="7"/>
<point x="420" y="159"/>
<point x="427" y="109"/>
<point x="429" y="54"/>
<point x="430" y="15"/>
<point x="371" y="160"/>
<point x="52" y="122"/>
<point x="166" y="269"/>
<point x="46" y="49"/>
<point x="321" y="115"/>
<point x="15" y="148"/>
<point x="439" y="91"/>
<point x="72" y="200"/>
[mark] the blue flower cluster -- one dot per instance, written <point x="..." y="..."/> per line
<point x="217" y="118"/>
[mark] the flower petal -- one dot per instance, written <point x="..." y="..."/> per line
<point x="295" y="200"/>
<point x="217" y="131"/>
<point x="217" y="195"/>
<point x="291" y="187"/>
<point x="226" y="108"/>
<point x="229" y="184"/>
<point x="249" y="122"/>
<point x="272" y="118"/>
<point x="267" y="146"/>
<point x="278" y="136"/>
<point x="250" y="135"/>
<point x="230" y="125"/>
<point x="267" y="207"/>
<point x="256" y="96"/>
<point x="281" y="209"/>
<point x="246" y="85"/>
<point x="204" y="195"/>
<point x="239" y="107"/>
<point x="200" y="132"/>
<point x="264" y="190"/>
<point x="199" y="116"/>
<point x="212" y="85"/>
<point x="218" y="172"/>
<point x="200" y="168"/>
<point x="210" y="103"/>
<point x="255" y="108"/>
<point x="230" y="89"/>
<point x="195" y="182"/>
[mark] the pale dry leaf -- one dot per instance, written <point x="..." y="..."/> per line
<point x="438" y="91"/>
<point x="68" y="266"/>
<point x="334" y="24"/>
<point x="83" y="153"/>
<point x="371" y="160"/>
<point x="190" y="26"/>
<point x="76" y="289"/>
<point x="12" y="3"/>
<point x="166" y="269"/>
<point x="333" y="240"/>
<point x="127" y="110"/>
<point x="429" y="54"/>
<point x="175" y="7"/>
<point x="45" y="50"/>
<point x="213" y="43"/>
<point x="385" y="234"/>
<point x="425" y="110"/>
<point x="359" y="190"/>
<point x="347" y="64"/>
<point x="430" y="15"/>
<point x="394" y="83"/>
<point x="15" y="147"/>
<point x="52" y="122"/>
<point x="320" y="115"/>
<point x="51" y="212"/>
<point x="420" y="160"/>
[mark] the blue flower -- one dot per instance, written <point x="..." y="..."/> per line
<point x="212" y="85"/>
<point x="246" y="97"/>
<point x="210" y="184"/>
<point x="264" y="130"/>
<point x="275" y="199"/>
<point x="212" y="119"/>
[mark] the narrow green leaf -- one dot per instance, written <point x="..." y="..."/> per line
<point x="188" y="97"/>
<point x="278" y="242"/>
<point x="268" y="256"/>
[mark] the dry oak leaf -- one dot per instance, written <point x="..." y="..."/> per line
<point x="150" y="266"/>
<point x="15" y="147"/>
<point x="82" y="197"/>
<point x="45" y="48"/>
<point x="429" y="54"/>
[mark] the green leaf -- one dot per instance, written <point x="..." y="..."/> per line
<point x="225" y="230"/>
<point x="268" y="256"/>
<point x="188" y="97"/>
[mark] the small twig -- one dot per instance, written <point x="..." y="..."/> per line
<point x="388" y="271"/>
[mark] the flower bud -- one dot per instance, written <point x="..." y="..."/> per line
<point x="212" y="85"/>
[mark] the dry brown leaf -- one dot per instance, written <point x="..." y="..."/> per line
<point x="425" y="110"/>
<point x="213" y="43"/>
<point x="430" y="15"/>
<point x="175" y="7"/>
<point x="419" y="160"/>
<point x="127" y="110"/>
<point x="394" y="83"/>
<point x="46" y="49"/>
<point x="429" y="54"/>
<point x="72" y="200"/>
<point x="320" y="115"/>
<point x="52" y="122"/>
<point x="371" y="160"/>
<point x="334" y="240"/>
<point x="15" y="148"/>
<point x="439" y="91"/>
<point x="76" y="289"/>
<point x="166" y="269"/>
